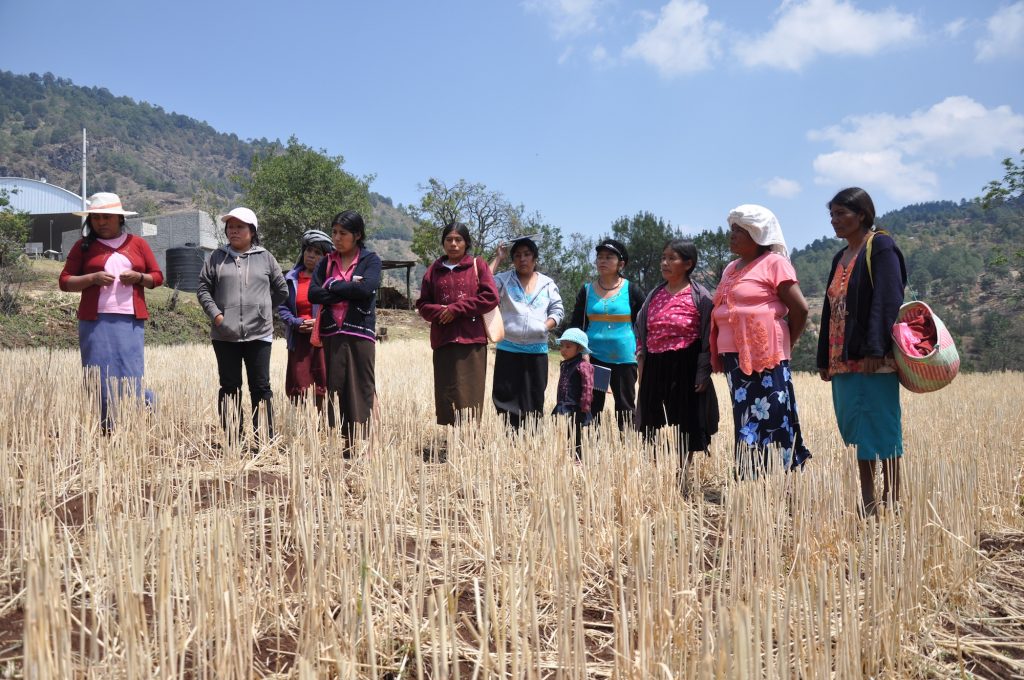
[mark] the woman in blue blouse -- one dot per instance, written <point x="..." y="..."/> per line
<point x="606" y="310"/>
<point x="531" y="307"/>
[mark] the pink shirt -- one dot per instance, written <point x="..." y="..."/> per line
<point x="749" y="317"/>
<point x="339" y="309"/>
<point x="673" y="321"/>
<point x="116" y="298"/>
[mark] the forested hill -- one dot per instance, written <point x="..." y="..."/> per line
<point x="154" y="159"/>
<point x="157" y="161"/>
<point x="965" y="261"/>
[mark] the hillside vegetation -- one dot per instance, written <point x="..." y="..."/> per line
<point x="965" y="261"/>
<point x="155" y="160"/>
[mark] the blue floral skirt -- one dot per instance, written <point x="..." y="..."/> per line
<point x="765" y="419"/>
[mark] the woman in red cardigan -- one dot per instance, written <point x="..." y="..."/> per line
<point x="457" y="290"/>
<point x="111" y="267"/>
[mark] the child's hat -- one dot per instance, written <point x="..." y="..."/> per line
<point x="577" y="336"/>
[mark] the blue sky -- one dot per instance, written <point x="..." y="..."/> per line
<point x="583" y="110"/>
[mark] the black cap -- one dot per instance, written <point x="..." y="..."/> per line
<point x="613" y="246"/>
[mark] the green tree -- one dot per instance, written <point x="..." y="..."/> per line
<point x="13" y="235"/>
<point x="713" y="251"/>
<point x="644" y="235"/>
<point x="301" y="189"/>
<point x="13" y="231"/>
<point x="490" y="217"/>
<point x="1011" y="186"/>
<point x="572" y="267"/>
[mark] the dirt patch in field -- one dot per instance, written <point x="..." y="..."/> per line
<point x="988" y="642"/>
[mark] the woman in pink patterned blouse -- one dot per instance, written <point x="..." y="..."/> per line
<point x="759" y="314"/>
<point x="674" y="356"/>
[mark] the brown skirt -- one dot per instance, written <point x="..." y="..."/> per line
<point x="350" y="378"/>
<point x="459" y="375"/>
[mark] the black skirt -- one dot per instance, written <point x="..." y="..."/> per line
<point x="667" y="396"/>
<point x="519" y="383"/>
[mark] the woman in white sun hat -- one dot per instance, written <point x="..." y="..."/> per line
<point x="239" y="287"/>
<point x="759" y="312"/>
<point x="111" y="268"/>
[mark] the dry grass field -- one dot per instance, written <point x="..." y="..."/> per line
<point x="162" y="552"/>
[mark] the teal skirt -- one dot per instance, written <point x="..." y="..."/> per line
<point x="868" y="411"/>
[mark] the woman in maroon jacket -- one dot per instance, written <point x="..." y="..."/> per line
<point x="457" y="290"/>
<point x="111" y="267"/>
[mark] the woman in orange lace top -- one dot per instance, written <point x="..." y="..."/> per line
<point x="759" y="314"/>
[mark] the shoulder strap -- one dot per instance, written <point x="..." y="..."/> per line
<point x="867" y="252"/>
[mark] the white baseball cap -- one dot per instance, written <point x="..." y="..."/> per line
<point x="244" y="215"/>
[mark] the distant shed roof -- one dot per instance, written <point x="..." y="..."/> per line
<point x="39" y="198"/>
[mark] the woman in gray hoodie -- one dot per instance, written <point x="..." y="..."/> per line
<point x="239" y="287"/>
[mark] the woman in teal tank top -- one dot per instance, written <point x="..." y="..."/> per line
<point x="606" y="309"/>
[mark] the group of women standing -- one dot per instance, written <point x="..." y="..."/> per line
<point x="673" y="339"/>
<point x="669" y="341"/>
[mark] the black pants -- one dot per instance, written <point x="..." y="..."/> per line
<point x="518" y="388"/>
<point x="256" y="356"/>
<point x="623" y="386"/>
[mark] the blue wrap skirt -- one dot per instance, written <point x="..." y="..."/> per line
<point x="868" y="412"/>
<point x="115" y="345"/>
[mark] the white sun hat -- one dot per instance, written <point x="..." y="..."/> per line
<point x="104" y="203"/>
<point x="762" y="225"/>
<point x="244" y="215"/>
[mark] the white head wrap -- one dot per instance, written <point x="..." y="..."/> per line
<point x="762" y="225"/>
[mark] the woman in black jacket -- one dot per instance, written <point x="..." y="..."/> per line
<point x="864" y="295"/>
<point x="345" y="282"/>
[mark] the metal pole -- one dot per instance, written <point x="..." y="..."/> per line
<point x="85" y="145"/>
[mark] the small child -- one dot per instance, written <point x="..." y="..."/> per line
<point x="575" y="383"/>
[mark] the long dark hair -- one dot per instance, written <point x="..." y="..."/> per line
<point x="858" y="201"/>
<point x="459" y="228"/>
<point x="89" y="236"/>
<point x="686" y="250"/>
<point x="352" y="222"/>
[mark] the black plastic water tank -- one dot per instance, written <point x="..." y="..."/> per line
<point x="183" y="267"/>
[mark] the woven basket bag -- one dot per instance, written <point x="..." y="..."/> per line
<point x="936" y="369"/>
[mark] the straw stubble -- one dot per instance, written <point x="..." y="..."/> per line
<point x="166" y="550"/>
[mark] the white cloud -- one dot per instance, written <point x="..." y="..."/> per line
<point x="805" y="30"/>
<point x="564" y="56"/>
<point x="599" y="55"/>
<point x="955" y="127"/>
<point x="898" y="153"/>
<point x="782" y="187"/>
<point x="682" y="41"/>
<point x="567" y="17"/>
<point x="1005" y="36"/>
<point x="885" y="169"/>
<point x="955" y="27"/>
